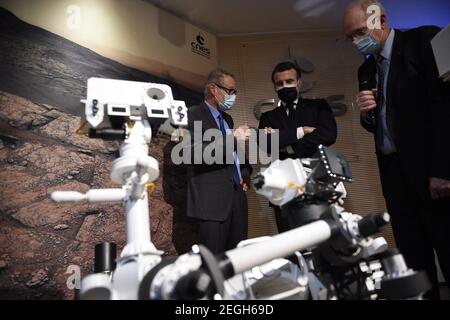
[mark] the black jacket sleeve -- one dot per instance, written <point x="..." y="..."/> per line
<point x="287" y="136"/>
<point x="325" y="133"/>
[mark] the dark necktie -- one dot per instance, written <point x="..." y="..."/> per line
<point x="290" y="108"/>
<point x="236" y="177"/>
<point x="380" y="102"/>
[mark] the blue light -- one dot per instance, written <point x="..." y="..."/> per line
<point x="415" y="13"/>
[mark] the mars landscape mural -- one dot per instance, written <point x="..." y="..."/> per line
<point x="42" y="79"/>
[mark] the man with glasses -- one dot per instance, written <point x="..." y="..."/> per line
<point x="216" y="192"/>
<point x="302" y="124"/>
<point x="408" y="111"/>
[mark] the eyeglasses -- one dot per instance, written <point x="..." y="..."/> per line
<point x="228" y="91"/>
<point x="358" y="34"/>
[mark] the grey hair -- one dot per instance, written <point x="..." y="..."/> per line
<point x="364" y="4"/>
<point x="216" y="76"/>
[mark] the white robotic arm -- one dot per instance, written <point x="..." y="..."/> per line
<point x="125" y="111"/>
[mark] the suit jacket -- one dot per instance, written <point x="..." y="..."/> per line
<point x="417" y="107"/>
<point x="315" y="113"/>
<point x="210" y="187"/>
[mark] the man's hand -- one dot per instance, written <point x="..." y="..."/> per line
<point x="308" y="130"/>
<point x="268" y="130"/>
<point x="366" y="101"/>
<point x="245" y="185"/>
<point x="242" y="133"/>
<point x="245" y="180"/>
<point x="439" y="188"/>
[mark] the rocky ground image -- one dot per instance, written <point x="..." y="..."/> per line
<point x="41" y="153"/>
<point x="42" y="79"/>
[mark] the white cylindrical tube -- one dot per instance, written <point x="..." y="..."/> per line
<point x="137" y="221"/>
<point x="282" y="245"/>
<point x="68" y="196"/>
<point x="92" y="196"/>
<point x="105" y="195"/>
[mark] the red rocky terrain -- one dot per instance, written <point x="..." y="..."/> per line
<point x="41" y="153"/>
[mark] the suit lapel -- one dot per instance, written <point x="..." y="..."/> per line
<point x="301" y="104"/>
<point x="227" y="118"/>
<point x="209" y="117"/>
<point x="395" y="65"/>
<point x="283" y="117"/>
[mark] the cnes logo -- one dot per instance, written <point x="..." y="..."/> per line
<point x="199" y="47"/>
<point x="200" y="39"/>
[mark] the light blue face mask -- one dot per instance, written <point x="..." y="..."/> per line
<point x="367" y="45"/>
<point x="228" y="102"/>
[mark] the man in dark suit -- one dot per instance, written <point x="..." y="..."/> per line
<point x="216" y="189"/>
<point x="408" y="112"/>
<point x="302" y="124"/>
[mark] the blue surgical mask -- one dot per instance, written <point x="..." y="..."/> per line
<point x="228" y="102"/>
<point x="367" y="45"/>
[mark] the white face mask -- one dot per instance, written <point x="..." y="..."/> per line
<point x="367" y="44"/>
<point x="228" y="102"/>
